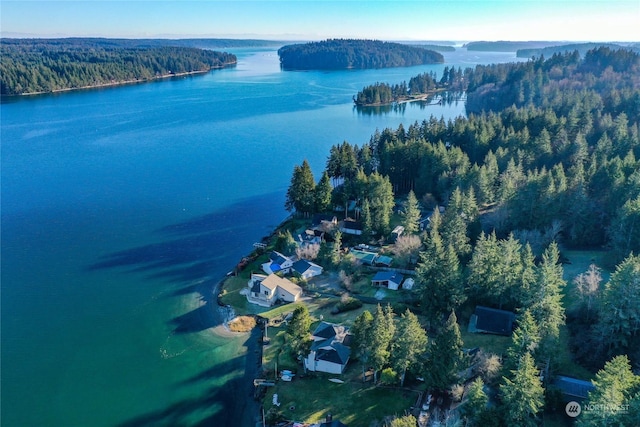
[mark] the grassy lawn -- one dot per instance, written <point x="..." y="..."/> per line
<point x="495" y="344"/>
<point x="563" y="363"/>
<point x="356" y="404"/>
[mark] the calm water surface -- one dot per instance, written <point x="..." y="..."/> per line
<point x="120" y="206"/>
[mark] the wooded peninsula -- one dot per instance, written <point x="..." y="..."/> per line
<point x="30" y="66"/>
<point x="544" y="166"/>
<point x="339" y="54"/>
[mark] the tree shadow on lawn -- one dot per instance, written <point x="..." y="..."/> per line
<point x="194" y="255"/>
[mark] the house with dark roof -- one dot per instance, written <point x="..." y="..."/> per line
<point x="573" y="388"/>
<point x="330" y="349"/>
<point x="492" y="321"/>
<point x="306" y="269"/>
<point x="349" y="226"/>
<point x="388" y="279"/>
<point x="277" y="263"/>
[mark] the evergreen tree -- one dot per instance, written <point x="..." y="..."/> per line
<point x="522" y="394"/>
<point x="475" y="405"/>
<point x="525" y="339"/>
<point x="323" y="194"/>
<point x="439" y="279"/>
<point x="615" y="387"/>
<point x="619" y="325"/>
<point x="298" y="331"/>
<point x="445" y="355"/>
<point x="300" y="195"/>
<point x="546" y="303"/>
<point x="380" y="195"/>
<point x="362" y="338"/>
<point x="625" y="230"/>
<point x="367" y="225"/>
<point x="382" y="332"/>
<point x="409" y="343"/>
<point x="411" y="214"/>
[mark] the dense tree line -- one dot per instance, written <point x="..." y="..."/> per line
<point x="40" y="65"/>
<point x="336" y="54"/>
<point x="582" y="49"/>
<point x="560" y="161"/>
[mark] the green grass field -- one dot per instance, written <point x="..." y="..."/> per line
<point x="355" y="403"/>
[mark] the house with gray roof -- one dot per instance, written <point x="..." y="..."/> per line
<point x="330" y="349"/>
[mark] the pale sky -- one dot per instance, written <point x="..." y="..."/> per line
<point x="457" y="20"/>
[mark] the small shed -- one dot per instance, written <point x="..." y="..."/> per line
<point x="397" y="232"/>
<point x="492" y="321"/>
<point x="408" y="283"/>
<point x="389" y="279"/>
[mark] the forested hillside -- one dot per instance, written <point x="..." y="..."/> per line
<point x="48" y="65"/>
<point x="547" y="160"/>
<point x="337" y="54"/>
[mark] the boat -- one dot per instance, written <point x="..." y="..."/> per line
<point x="336" y="380"/>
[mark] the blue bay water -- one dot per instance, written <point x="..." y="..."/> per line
<point x="122" y="206"/>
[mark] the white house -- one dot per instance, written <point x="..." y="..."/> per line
<point x="330" y="350"/>
<point x="266" y="290"/>
<point x="277" y="262"/>
<point x="307" y="269"/>
<point x="389" y="279"/>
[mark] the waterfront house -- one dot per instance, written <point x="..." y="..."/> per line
<point x="330" y="349"/>
<point x="388" y="279"/>
<point x="266" y="290"/>
<point x="307" y="269"/>
<point x="277" y="263"/>
<point x="492" y="321"/>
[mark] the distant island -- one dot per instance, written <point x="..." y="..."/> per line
<point x="508" y="46"/>
<point x="31" y="66"/>
<point x="340" y="54"/>
<point x="582" y="49"/>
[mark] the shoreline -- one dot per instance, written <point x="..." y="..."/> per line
<point x="245" y="407"/>
<point x="126" y="82"/>
<point x="220" y="315"/>
<point x="404" y="99"/>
